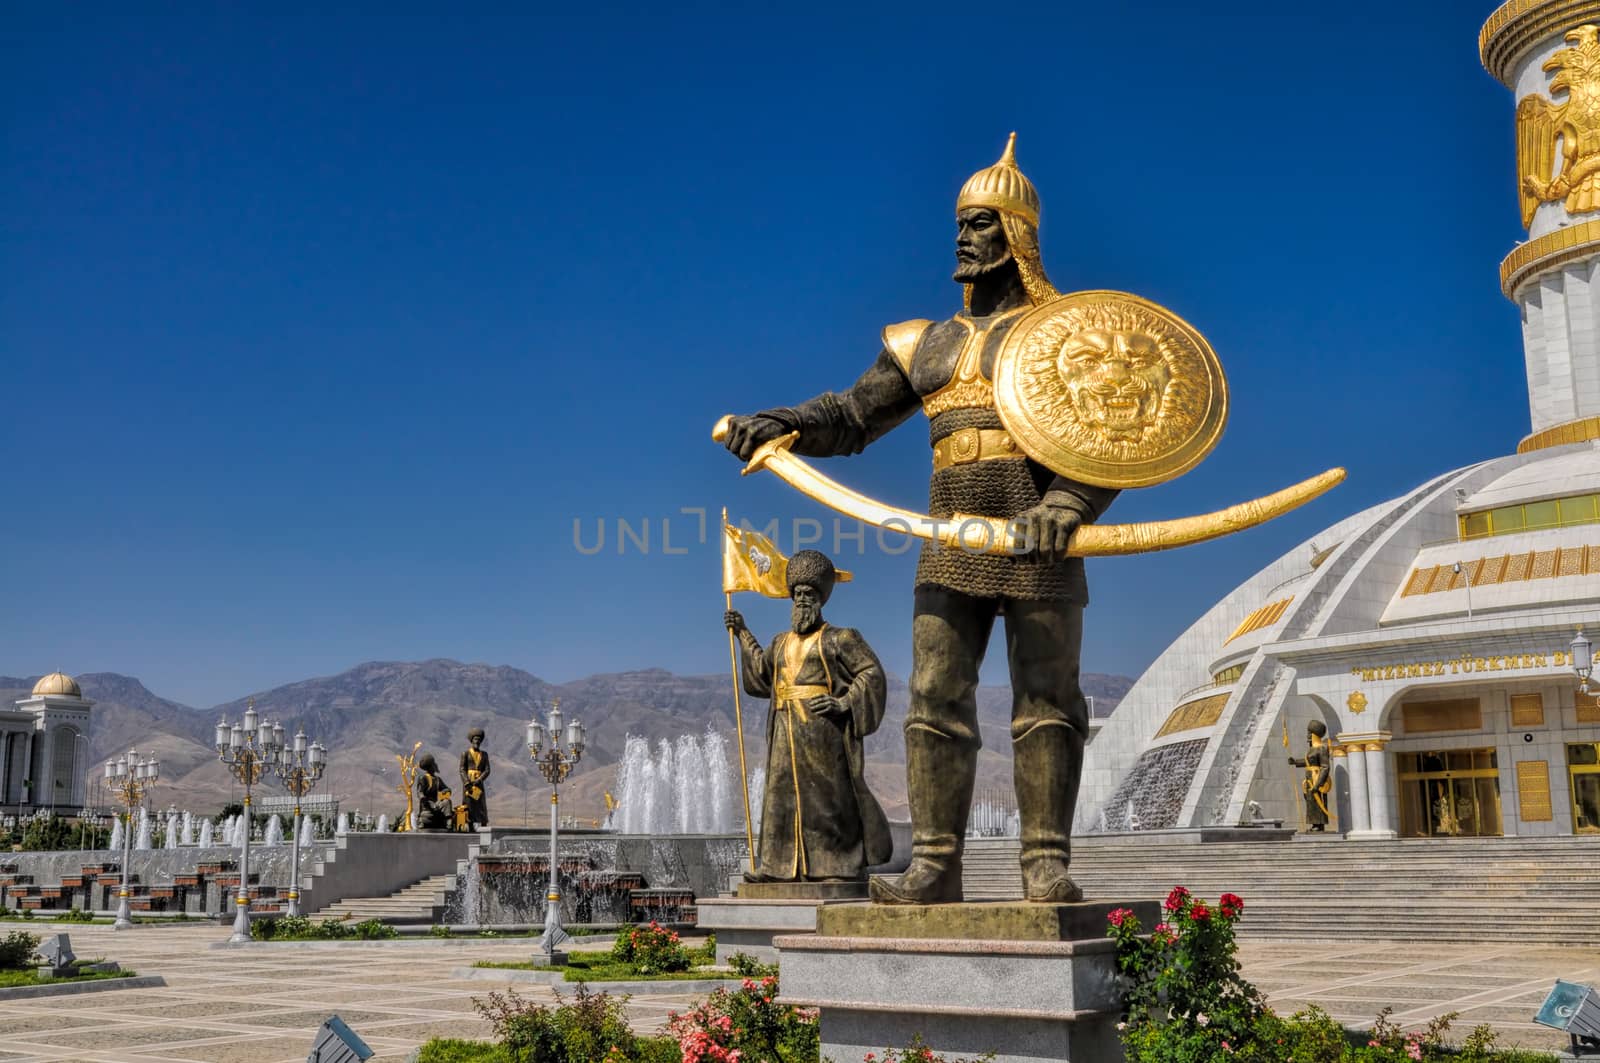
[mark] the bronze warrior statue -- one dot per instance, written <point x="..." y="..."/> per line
<point x="819" y="821"/>
<point x="474" y="773"/>
<point x="433" y="797"/>
<point x="1318" y="783"/>
<point x="945" y="368"/>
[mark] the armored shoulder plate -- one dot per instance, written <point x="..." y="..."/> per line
<point x="901" y="339"/>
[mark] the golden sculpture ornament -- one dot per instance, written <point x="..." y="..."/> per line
<point x="1575" y="122"/>
<point x="1357" y="702"/>
<point x="996" y="536"/>
<point x="1110" y="389"/>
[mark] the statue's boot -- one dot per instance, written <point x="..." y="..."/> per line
<point x="1049" y="762"/>
<point x="942" y="771"/>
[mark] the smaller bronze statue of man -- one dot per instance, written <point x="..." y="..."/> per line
<point x="433" y="797"/>
<point x="819" y="821"/>
<point x="474" y="773"/>
<point x="1318" y="783"/>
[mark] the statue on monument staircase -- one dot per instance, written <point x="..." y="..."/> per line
<point x="819" y="821"/>
<point x="433" y="797"/>
<point x="474" y="773"/>
<point x="1040" y="407"/>
<point x="1318" y="782"/>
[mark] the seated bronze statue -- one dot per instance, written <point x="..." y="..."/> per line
<point x="434" y="810"/>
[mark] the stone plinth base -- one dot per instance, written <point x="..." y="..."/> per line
<point x="802" y="891"/>
<point x="1029" y="982"/>
<point x="749" y="925"/>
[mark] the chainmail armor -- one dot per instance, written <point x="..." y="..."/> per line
<point x="995" y="488"/>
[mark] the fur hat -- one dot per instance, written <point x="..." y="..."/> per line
<point x="813" y="569"/>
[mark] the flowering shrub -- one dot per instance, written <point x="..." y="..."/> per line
<point x="917" y="1052"/>
<point x="746" y="1026"/>
<point x="650" y="949"/>
<point x="1185" y="997"/>
<point x="594" y="1026"/>
<point x="1186" y="1002"/>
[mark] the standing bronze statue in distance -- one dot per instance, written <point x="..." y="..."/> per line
<point x="474" y="774"/>
<point x="1318" y="781"/>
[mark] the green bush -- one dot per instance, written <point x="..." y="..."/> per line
<point x="439" y="931"/>
<point x="450" y="1050"/>
<point x="747" y="966"/>
<point x="651" y="949"/>
<point x="16" y="950"/>
<point x="593" y="1028"/>
<point x="75" y="915"/>
<point x="747" y="1024"/>
<point x="373" y="930"/>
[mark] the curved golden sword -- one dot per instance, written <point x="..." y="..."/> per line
<point x="993" y="535"/>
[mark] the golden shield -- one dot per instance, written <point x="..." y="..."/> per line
<point x="1110" y="389"/>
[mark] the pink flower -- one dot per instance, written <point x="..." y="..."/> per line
<point x="1176" y="898"/>
<point x="1226" y="1047"/>
<point x="1202" y="1019"/>
<point x="1119" y="915"/>
<point x="1414" y="1050"/>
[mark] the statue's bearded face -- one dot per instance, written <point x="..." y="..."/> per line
<point x="806" y="612"/>
<point x="1117" y="379"/>
<point x="981" y="245"/>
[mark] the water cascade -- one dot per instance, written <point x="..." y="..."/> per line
<point x="383" y="823"/>
<point x="682" y="788"/>
<point x="205" y="834"/>
<point x="171" y="841"/>
<point x="115" y="844"/>
<point x="141" y="840"/>
<point x="343" y="826"/>
<point x="274" y="834"/>
<point x="307" y="835"/>
<point x="186" y="835"/>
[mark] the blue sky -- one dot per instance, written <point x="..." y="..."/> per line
<point x="317" y="333"/>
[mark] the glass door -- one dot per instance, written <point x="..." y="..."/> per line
<point x="1450" y="794"/>
<point x="1583" y="771"/>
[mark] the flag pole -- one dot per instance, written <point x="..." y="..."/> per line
<point x="738" y="711"/>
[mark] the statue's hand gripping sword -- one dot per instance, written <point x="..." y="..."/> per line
<point x="997" y="536"/>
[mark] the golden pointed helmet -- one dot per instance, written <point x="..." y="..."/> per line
<point x="1002" y="187"/>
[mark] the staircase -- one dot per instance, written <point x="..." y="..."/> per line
<point x="1467" y="890"/>
<point x="420" y="902"/>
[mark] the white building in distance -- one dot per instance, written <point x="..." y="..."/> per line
<point x="1431" y="634"/>
<point x="44" y="749"/>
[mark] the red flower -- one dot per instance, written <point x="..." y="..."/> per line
<point x="1199" y="913"/>
<point x="1118" y="915"/>
<point x="1176" y="898"/>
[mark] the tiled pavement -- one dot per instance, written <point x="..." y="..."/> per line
<point x="262" y="1004"/>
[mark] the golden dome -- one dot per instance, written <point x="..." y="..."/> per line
<point x="1002" y="187"/>
<point x="58" y="683"/>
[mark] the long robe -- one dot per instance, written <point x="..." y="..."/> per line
<point x="474" y="796"/>
<point x="818" y="820"/>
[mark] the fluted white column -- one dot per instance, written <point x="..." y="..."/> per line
<point x="1360" y="817"/>
<point x="1378" y="790"/>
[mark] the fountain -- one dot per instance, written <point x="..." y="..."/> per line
<point x="307" y="835"/>
<point x="274" y="832"/>
<point x="205" y="834"/>
<point x="115" y="844"/>
<point x="171" y="841"/>
<point x="383" y="823"/>
<point x="142" y="838"/>
<point x="343" y="826"/>
<point x="683" y="788"/>
<point x="187" y="833"/>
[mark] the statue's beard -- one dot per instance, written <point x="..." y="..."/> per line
<point x="806" y="618"/>
<point x="968" y="272"/>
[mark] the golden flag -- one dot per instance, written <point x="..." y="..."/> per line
<point x="751" y="563"/>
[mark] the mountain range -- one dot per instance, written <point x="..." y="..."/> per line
<point x="367" y="715"/>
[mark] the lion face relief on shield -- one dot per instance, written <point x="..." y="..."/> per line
<point x="1116" y="380"/>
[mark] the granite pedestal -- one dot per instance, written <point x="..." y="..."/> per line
<point x="761" y="911"/>
<point x="1029" y="982"/>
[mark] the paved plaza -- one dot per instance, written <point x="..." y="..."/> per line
<point x="261" y="1004"/>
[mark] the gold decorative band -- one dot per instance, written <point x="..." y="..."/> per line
<point x="1560" y="435"/>
<point x="1547" y="252"/>
<point x="1000" y="201"/>
<point x="784" y="692"/>
<point x="1519" y="25"/>
<point x="966" y="445"/>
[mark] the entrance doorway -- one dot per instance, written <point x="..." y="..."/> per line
<point x="1583" y="770"/>
<point x="1450" y="794"/>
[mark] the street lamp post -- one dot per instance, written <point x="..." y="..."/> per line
<point x="299" y="768"/>
<point x="555" y="763"/>
<point x="1582" y="661"/>
<point x="127" y="779"/>
<point x="246" y="748"/>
